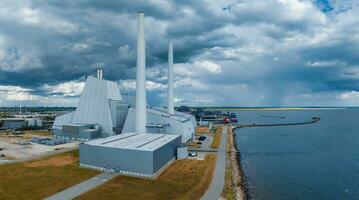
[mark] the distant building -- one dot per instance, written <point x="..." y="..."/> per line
<point x="14" y="123"/>
<point x="18" y="123"/>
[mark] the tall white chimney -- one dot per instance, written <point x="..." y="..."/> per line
<point x="170" y="92"/>
<point x="141" y="115"/>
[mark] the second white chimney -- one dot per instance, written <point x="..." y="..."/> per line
<point x="170" y="92"/>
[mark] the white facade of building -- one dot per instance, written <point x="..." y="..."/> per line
<point x="172" y="124"/>
<point x="98" y="105"/>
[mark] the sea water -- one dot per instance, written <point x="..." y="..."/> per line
<point x="312" y="161"/>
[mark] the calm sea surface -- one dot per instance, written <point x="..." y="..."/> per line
<point x="313" y="161"/>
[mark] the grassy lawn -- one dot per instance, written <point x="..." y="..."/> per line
<point x="41" y="178"/>
<point x="184" y="179"/>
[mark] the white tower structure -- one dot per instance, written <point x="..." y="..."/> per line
<point x="141" y="115"/>
<point x="99" y="73"/>
<point x="170" y="92"/>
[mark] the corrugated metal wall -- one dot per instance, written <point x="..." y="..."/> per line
<point x="117" y="159"/>
<point x="136" y="161"/>
<point x="164" y="154"/>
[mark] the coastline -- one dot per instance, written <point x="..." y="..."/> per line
<point x="277" y="109"/>
<point x="238" y="179"/>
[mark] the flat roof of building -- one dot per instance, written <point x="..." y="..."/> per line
<point x="135" y="141"/>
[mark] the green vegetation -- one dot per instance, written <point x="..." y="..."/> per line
<point x="41" y="178"/>
<point x="184" y="179"/>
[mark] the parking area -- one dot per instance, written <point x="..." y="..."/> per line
<point x="206" y="142"/>
<point x="198" y="156"/>
<point x="17" y="148"/>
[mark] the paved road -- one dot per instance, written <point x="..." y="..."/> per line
<point x="215" y="189"/>
<point x="39" y="156"/>
<point x="83" y="187"/>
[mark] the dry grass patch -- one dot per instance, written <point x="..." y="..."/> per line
<point x="216" y="141"/>
<point x="42" y="178"/>
<point x="217" y="137"/>
<point x="34" y="133"/>
<point x="184" y="179"/>
<point x="202" y="130"/>
<point x="10" y="158"/>
<point x="54" y="162"/>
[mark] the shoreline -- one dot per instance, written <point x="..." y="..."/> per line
<point x="239" y="182"/>
<point x="244" y="185"/>
<point x="278" y="108"/>
<point x="240" y="179"/>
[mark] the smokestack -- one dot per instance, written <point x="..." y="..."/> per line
<point x="170" y="92"/>
<point x="141" y="114"/>
<point x="99" y="73"/>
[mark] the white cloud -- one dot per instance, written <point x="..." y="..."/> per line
<point x="130" y="85"/>
<point x="197" y="68"/>
<point x="209" y="65"/>
<point x="326" y="63"/>
<point x="15" y="59"/>
<point x="151" y="85"/>
<point x="16" y="93"/>
<point x="67" y="89"/>
<point x="349" y="96"/>
<point x="11" y="95"/>
<point x="81" y="47"/>
<point x="22" y="12"/>
<point x="178" y="100"/>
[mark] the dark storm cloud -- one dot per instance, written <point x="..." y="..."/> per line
<point x="270" y="52"/>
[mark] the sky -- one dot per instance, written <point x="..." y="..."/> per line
<point x="226" y="53"/>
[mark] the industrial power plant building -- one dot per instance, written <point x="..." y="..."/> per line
<point x="101" y="109"/>
<point x="160" y="121"/>
<point x="132" y="154"/>
<point x="135" y="140"/>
